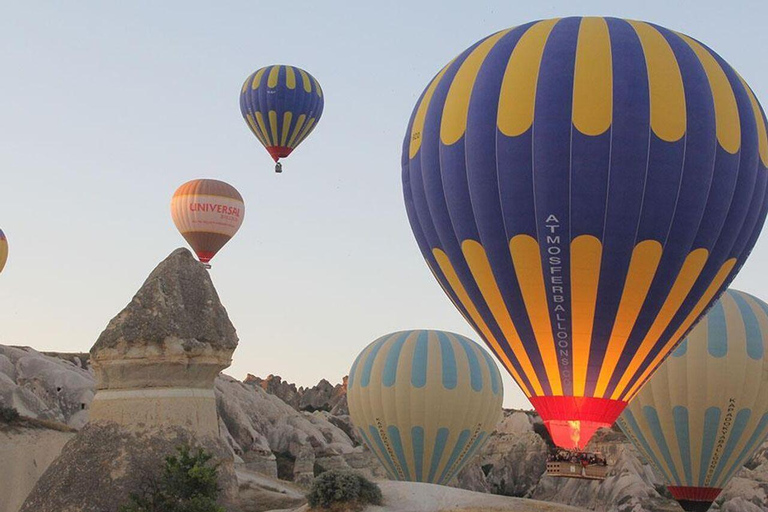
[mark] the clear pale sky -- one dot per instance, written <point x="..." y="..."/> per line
<point x="106" y="107"/>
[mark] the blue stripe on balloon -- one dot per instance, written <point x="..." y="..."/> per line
<point x="353" y="371"/>
<point x="758" y="437"/>
<point x="420" y="358"/>
<point x="475" y="374"/>
<point x="683" y="433"/>
<point x="417" y="440"/>
<point x="681" y="349"/>
<point x="488" y="173"/>
<point x="384" y="459"/>
<point x="717" y="331"/>
<point x="393" y="357"/>
<point x="634" y="429"/>
<point x="397" y="444"/>
<point x="630" y="130"/>
<point x="552" y="136"/>
<point x="493" y="371"/>
<point x="437" y="452"/>
<point x="652" y="418"/>
<point x="711" y="424"/>
<point x="450" y="375"/>
<point x="478" y="443"/>
<point x="366" y="378"/>
<point x="737" y="430"/>
<point x="461" y="442"/>
<point x="752" y="325"/>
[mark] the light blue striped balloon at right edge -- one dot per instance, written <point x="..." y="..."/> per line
<point x="424" y="402"/>
<point x="704" y="413"/>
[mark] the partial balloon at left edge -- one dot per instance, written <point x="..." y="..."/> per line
<point x="207" y="213"/>
<point x="3" y="250"/>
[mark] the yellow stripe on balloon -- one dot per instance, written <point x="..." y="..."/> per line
<point x="586" y="254"/>
<point x="257" y="78"/>
<point x="518" y="88"/>
<point x="263" y="126"/>
<point x="421" y="113"/>
<point x="456" y="107"/>
<point x="255" y="129"/>
<point x="245" y="84"/>
<point x="713" y="287"/>
<point x="318" y="90"/>
<point x="305" y="80"/>
<point x="273" y="76"/>
<point x="287" y="116"/>
<point x="273" y="126"/>
<point x="481" y="271"/>
<point x="665" y="84"/>
<point x="305" y="131"/>
<point x="642" y="267"/>
<point x="689" y="273"/>
<point x="762" y="137"/>
<point x="290" y="77"/>
<point x="593" y="78"/>
<point x="526" y="258"/>
<point x="453" y="279"/>
<point x="726" y="111"/>
<point x="297" y="129"/>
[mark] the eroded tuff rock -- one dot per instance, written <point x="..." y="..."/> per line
<point x="177" y="302"/>
<point x="156" y="361"/>
<point x="322" y="397"/>
<point x="104" y="463"/>
<point x="45" y="387"/>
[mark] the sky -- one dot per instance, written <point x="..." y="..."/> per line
<point x="107" y="107"/>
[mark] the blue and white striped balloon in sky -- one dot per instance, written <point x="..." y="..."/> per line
<point x="424" y="402"/>
<point x="705" y="411"/>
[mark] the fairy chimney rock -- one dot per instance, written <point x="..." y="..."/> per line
<point x="156" y="361"/>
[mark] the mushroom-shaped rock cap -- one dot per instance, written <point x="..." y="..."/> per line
<point x="177" y="302"/>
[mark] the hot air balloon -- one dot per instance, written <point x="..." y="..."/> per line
<point x="207" y="213"/>
<point x="704" y="413"/>
<point x="424" y="402"/>
<point x="3" y="250"/>
<point x="282" y="105"/>
<point x="583" y="189"/>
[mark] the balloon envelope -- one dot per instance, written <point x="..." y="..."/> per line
<point x="3" y="250"/>
<point x="583" y="189"/>
<point x="424" y="402"/>
<point x="207" y="213"/>
<point x="282" y="105"/>
<point x="705" y="411"/>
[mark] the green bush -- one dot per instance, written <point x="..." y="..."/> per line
<point x="8" y="414"/>
<point x="187" y="484"/>
<point x="342" y="487"/>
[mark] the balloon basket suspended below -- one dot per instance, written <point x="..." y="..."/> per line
<point x="278" y="167"/>
<point x="583" y="465"/>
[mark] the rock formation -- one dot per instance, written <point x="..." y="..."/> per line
<point x="322" y="397"/>
<point x="155" y="366"/>
<point x="156" y="361"/>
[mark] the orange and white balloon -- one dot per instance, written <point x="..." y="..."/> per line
<point x="207" y="213"/>
<point x="3" y="250"/>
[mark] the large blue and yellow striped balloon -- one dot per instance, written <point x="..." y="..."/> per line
<point x="705" y="411"/>
<point x="282" y="105"/>
<point x="424" y="402"/>
<point x="583" y="189"/>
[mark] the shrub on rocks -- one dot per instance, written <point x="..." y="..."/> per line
<point x="343" y="490"/>
<point x="187" y="484"/>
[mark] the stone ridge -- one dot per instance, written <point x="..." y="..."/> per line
<point x="177" y="302"/>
